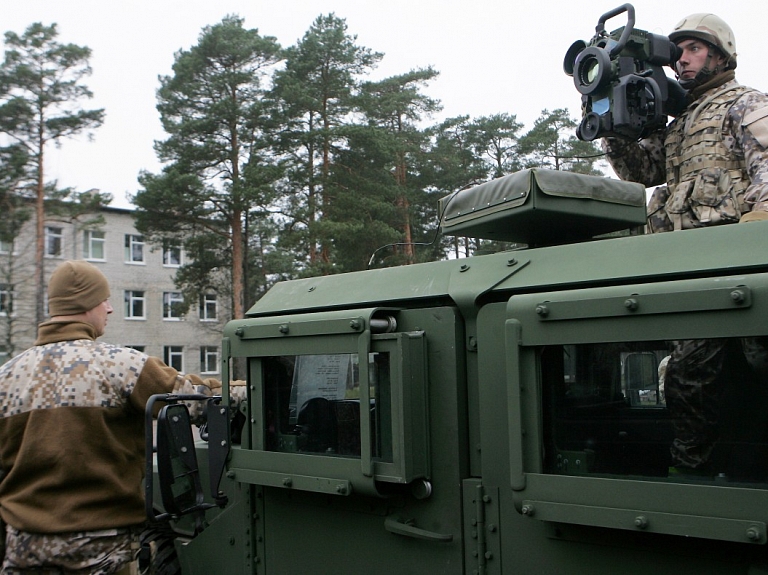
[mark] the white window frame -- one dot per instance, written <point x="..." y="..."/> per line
<point x="171" y="247"/>
<point x="205" y="301"/>
<point x="132" y="297"/>
<point x="7" y="247"/>
<point x="7" y="297"/>
<point x="54" y="236"/>
<point x="170" y="298"/>
<point x="209" y="354"/>
<point x="89" y="241"/>
<point x="134" y="241"/>
<point x="172" y="353"/>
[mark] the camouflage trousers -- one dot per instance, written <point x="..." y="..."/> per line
<point x="104" y="552"/>
<point x="693" y="385"/>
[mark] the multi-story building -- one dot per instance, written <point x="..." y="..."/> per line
<point x="147" y="305"/>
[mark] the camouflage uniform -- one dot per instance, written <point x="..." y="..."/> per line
<point x="704" y="150"/>
<point x="86" y="552"/>
<point x="72" y="499"/>
<point x="714" y="160"/>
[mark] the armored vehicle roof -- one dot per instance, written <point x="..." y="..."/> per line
<point x="688" y="253"/>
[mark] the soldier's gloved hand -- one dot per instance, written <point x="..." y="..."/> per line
<point x="237" y="389"/>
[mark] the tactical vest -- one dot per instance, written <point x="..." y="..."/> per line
<point x="705" y="179"/>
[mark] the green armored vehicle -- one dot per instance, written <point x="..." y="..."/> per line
<point x="500" y="414"/>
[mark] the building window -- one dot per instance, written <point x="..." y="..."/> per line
<point x="53" y="241"/>
<point x="209" y="307"/>
<point x="140" y="348"/>
<point x="173" y="355"/>
<point x="173" y="304"/>
<point x="93" y="245"/>
<point x="209" y="359"/>
<point x="171" y="253"/>
<point x="134" y="305"/>
<point x="6" y="247"/>
<point x="6" y="300"/>
<point x="134" y="249"/>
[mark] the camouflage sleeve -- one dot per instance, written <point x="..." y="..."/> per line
<point x="156" y="377"/>
<point x="747" y="124"/>
<point x="642" y="161"/>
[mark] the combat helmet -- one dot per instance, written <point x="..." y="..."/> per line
<point x="711" y="29"/>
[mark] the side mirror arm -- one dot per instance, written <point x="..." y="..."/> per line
<point x="176" y="458"/>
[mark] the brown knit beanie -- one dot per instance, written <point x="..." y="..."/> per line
<point x="76" y="287"/>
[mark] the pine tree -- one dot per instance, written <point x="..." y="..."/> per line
<point x="41" y="91"/>
<point x="395" y="106"/>
<point x="218" y="163"/>
<point x="315" y="94"/>
<point x="552" y="144"/>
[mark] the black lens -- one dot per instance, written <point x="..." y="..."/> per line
<point x="592" y="70"/>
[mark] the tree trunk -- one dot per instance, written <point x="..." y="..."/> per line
<point x="40" y="231"/>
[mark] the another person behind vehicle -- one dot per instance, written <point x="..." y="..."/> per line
<point x="72" y="435"/>
<point x="714" y="160"/>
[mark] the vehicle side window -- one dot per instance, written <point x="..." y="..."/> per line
<point x="313" y="404"/>
<point x="675" y="409"/>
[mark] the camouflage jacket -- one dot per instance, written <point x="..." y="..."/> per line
<point x="72" y="430"/>
<point x="738" y="143"/>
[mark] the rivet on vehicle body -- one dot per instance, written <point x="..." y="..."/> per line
<point x="463" y="268"/>
<point x="542" y="310"/>
<point x="737" y="296"/>
<point x="528" y="510"/>
<point x="641" y="522"/>
<point x="312" y="288"/>
<point x="631" y="304"/>
<point x="511" y="262"/>
<point x="753" y="534"/>
<point x="355" y="324"/>
<point x="283" y="328"/>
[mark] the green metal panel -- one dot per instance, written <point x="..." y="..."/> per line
<point x="636" y="259"/>
<point x="404" y="532"/>
<point x="696" y="308"/>
<point x="714" y="307"/>
<point x="587" y="525"/>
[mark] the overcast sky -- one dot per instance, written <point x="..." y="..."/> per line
<point x="493" y="56"/>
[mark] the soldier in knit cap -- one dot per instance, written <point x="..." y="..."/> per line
<point x="72" y="435"/>
<point x="713" y="160"/>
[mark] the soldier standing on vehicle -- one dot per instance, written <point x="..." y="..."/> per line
<point x="72" y="435"/>
<point x="714" y="160"/>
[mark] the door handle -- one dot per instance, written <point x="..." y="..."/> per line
<point x="398" y="526"/>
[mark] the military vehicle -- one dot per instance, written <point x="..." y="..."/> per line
<point x="498" y="414"/>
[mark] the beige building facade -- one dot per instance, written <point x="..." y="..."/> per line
<point x="143" y="295"/>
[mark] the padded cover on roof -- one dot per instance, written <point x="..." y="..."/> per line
<point x="544" y="207"/>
